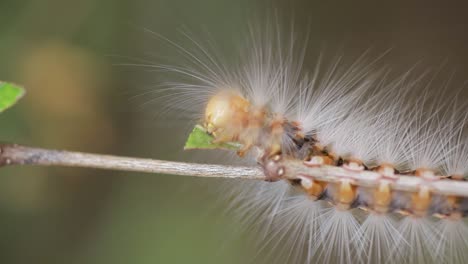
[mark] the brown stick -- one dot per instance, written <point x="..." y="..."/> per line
<point x="11" y="154"/>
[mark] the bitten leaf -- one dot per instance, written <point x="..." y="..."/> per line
<point x="9" y="94"/>
<point x="200" y="139"/>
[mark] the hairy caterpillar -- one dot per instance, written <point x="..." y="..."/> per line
<point x="350" y="116"/>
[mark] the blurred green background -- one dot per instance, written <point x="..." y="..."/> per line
<point x="67" y="53"/>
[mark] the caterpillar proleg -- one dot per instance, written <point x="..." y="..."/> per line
<point x="354" y="118"/>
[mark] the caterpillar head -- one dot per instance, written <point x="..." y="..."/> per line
<point x="225" y="111"/>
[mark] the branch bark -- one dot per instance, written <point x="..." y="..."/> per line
<point x="11" y="154"/>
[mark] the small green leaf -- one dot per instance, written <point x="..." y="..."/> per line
<point x="200" y="139"/>
<point x="9" y="94"/>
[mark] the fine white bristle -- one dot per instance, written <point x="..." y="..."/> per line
<point x="252" y="201"/>
<point x="456" y="150"/>
<point x="271" y="68"/>
<point x="295" y="230"/>
<point x="338" y="233"/>
<point x="418" y="243"/>
<point x="379" y="235"/>
<point x="452" y="248"/>
<point x="426" y="136"/>
<point x="352" y="112"/>
<point x="327" y="96"/>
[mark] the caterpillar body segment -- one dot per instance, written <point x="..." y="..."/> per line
<point x="395" y="215"/>
<point x="360" y="167"/>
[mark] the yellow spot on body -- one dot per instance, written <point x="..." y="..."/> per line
<point x="346" y="195"/>
<point x="421" y="201"/>
<point x="382" y="197"/>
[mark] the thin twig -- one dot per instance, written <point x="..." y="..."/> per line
<point x="11" y="154"/>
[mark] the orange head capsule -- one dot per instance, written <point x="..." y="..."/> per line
<point x="226" y="114"/>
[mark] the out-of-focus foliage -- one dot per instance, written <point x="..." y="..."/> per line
<point x="69" y="55"/>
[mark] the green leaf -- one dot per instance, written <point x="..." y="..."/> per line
<point x="9" y="94"/>
<point x="200" y="139"/>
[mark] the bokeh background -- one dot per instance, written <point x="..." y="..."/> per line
<point x="70" y="56"/>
